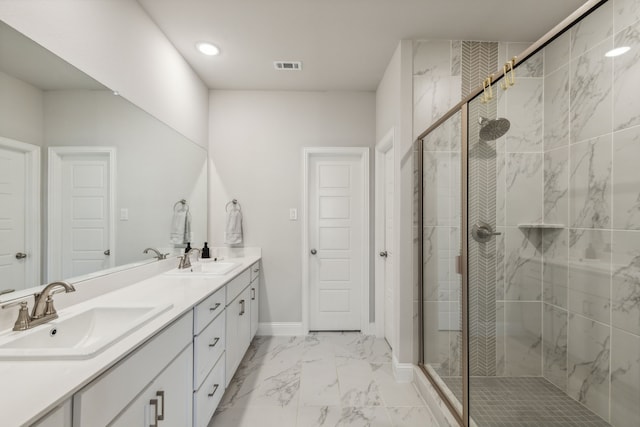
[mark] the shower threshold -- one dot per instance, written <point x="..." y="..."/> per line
<point x="522" y="401"/>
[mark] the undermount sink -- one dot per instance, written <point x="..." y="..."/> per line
<point x="79" y="335"/>
<point x="212" y="268"/>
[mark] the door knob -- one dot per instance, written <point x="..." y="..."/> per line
<point x="384" y="254"/>
<point x="483" y="232"/>
<point x="107" y="252"/>
<point x="21" y="255"/>
<point x="313" y="252"/>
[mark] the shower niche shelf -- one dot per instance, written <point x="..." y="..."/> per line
<point x="542" y="226"/>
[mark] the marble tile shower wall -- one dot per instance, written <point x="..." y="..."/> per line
<point x="591" y="180"/>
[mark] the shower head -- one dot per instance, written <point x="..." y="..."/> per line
<point x="493" y="129"/>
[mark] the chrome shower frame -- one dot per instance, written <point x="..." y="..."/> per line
<point x="464" y="418"/>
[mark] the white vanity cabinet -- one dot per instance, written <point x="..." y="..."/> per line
<point x="166" y="401"/>
<point x="255" y="297"/>
<point x="209" y="344"/>
<point x="163" y="364"/>
<point x="238" y="314"/>
<point x="58" y="417"/>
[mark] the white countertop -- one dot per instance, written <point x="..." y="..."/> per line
<point x="30" y="389"/>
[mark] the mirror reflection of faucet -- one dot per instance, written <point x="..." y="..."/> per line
<point x="160" y="256"/>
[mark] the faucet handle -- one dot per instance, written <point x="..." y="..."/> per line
<point x="22" y="323"/>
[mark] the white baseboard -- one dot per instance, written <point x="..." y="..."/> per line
<point x="403" y="372"/>
<point x="280" y="329"/>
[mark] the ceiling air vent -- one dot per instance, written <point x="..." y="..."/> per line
<point x="288" y="65"/>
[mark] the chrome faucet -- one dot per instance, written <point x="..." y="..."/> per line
<point x="43" y="309"/>
<point x="159" y="255"/>
<point x="185" y="260"/>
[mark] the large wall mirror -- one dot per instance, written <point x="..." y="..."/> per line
<point x="87" y="179"/>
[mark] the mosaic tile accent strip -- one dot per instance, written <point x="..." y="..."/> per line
<point x="479" y="59"/>
<point x="523" y="401"/>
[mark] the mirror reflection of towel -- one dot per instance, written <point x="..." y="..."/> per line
<point x="181" y="227"/>
<point x="233" y="231"/>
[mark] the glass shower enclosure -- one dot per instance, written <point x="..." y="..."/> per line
<point x="530" y="217"/>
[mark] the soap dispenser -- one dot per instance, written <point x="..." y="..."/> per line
<point x="188" y="248"/>
<point x="205" y="251"/>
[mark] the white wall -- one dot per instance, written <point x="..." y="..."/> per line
<point x="115" y="42"/>
<point x="21" y="115"/>
<point x="394" y="110"/>
<point x="255" y="156"/>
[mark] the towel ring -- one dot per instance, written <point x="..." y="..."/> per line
<point x="182" y="202"/>
<point x="234" y="203"/>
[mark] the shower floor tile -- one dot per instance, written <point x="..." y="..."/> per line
<point x="523" y="401"/>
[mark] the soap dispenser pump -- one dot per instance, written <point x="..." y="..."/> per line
<point x="205" y="251"/>
<point x="188" y="248"/>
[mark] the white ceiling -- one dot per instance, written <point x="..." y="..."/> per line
<point x="343" y="44"/>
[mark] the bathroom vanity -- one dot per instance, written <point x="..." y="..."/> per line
<point x="170" y="371"/>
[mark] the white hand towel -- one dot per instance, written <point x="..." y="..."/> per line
<point x="180" y="227"/>
<point x="233" y="231"/>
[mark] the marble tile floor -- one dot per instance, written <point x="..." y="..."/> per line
<point x="522" y="402"/>
<point x="323" y="379"/>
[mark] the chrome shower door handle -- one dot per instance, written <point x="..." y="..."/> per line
<point x="483" y="232"/>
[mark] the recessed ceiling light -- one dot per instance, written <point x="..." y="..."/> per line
<point x="207" y="49"/>
<point x="617" y="51"/>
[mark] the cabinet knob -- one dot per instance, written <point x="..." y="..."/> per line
<point x="21" y="255"/>
<point x="313" y="251"/>
<point x="215" y="388"/>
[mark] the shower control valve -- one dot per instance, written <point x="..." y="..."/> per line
<point x="483" y="232"/>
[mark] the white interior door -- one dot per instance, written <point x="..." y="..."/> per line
<point x="85" y="214"/>
<point x="336" y="208"/>
<point x="13" y="267"/>
<point x="388" y="239"/>
<point x="81" y="232"/>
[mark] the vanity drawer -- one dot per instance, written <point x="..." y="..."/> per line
<point x="255" y="271"/>
<point x="208" y="310"/>
<point x="207" y="398"/>
<point x="208" y="346"/>
<point x="237" y="285"/>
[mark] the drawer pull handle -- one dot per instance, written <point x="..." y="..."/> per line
<point x="215" y="388"/>
<point x="256" y="270"/>
<point x="253" y="294"/>
<point x="215" y="341"/>
<point x="242" y="305"/>
<point x="154" y="402"/>
<point x="161" y="395"/>
<point x="215" y="307"/>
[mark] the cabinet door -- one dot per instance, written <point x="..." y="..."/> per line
<point x="166" y="401"/>
<point x="238" y="331"/>
<point x="255" y="302"/>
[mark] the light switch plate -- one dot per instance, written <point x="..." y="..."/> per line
<point x="293" y="214"/>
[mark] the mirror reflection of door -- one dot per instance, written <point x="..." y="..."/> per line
<point x="81" y="232"/>
<point x="19" y="258"/>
